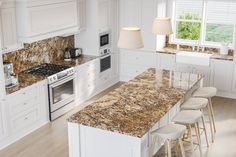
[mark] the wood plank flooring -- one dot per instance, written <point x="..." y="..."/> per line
<point x="51" y="139"/>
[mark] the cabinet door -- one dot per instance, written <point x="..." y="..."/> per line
<point x="166" y="61"/>
<point x="221" y="74"/>
<point x="2" y="121"/>
<point x="234" y="79"/>
<point x="9" y="35"/>
<point x="82" y="14"/>
<point x="104" y="14"/>
<point x="53" y="17"/>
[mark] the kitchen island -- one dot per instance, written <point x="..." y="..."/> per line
<point x="119" y="123"/>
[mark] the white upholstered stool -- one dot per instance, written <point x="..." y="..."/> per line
<point x="208" y="92"/>
<point x="168" y="133"/>
<point x="197" y="104"/>
<point x="189" y="118"/>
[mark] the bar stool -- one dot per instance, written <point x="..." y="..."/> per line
<point x="168" y="133"/>
<point x="197" y="104"/>
<point x="189" y="118"/>
<point x="208" y="92"/>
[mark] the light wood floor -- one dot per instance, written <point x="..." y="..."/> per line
<point x="51" y="139"/>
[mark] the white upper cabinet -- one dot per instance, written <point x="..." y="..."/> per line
<point x="221" y="75"/>
<point x="8" y="27"/>
<point x="37" y="20"/>
<point x="104" y="15"/>
<point x="82" y="14"/>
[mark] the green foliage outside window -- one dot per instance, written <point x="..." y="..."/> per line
<point x="189" y="30"/>
<point x="221" y="33"/>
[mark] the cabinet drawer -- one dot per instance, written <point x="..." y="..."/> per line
<point x="138" y="58"/>
<point x="132" y="70"/>
<point x="20" y="107"/>
<point x="24" y="120"/>
<point x="23" y="95"/>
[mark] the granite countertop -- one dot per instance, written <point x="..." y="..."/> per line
<point x="136" y="106"/>
<point x="170" y="50"/>
<point x="26" y="80"/>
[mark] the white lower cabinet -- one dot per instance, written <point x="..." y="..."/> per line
<point x="90" y="81"/>
<point x="86" y="80"/>
<point x="166" y="61"/>
<point x="222" y="76"/>
<point x="234" y="79"/>
<point x="133" y="63"/>
<point x="2" y="121"/>
<point x="26" y="110"/>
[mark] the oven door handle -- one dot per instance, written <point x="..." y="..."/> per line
<point x="105" y="56"/>
<point x="72" y="77"/>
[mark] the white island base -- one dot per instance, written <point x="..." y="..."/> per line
<point x="87" y="141"/>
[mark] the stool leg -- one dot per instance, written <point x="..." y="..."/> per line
<point x="212" y="114"/>
<point x="166" y="149"/>
<point x="198" y="139"/>
<point x="169" y="148"/>
<point x="198" y="129"/>
<point x="181" y="147"/>
<point x="205" y="131"/>
<point x="210" y="120"/>
<point x="191" y="136"/>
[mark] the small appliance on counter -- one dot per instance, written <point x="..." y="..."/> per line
<point x="11" y="79"/>
<point x="72" y="53"/>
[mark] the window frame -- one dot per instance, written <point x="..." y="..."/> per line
<point x="202" y="41"/>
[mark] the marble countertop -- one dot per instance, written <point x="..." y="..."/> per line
<point x="170" y="50"/>
<point x="26" y="80"/>
<point x="137" y="105"/>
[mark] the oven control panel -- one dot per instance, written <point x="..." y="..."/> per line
<point x="61" y="75"/>
<point x="105" y="51"/>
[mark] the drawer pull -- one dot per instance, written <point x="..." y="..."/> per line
<point x="26" y="118"/>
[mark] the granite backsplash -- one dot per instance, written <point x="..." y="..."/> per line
<point x="45" y="51"/>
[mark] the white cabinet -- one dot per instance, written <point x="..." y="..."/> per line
<point x="25" y="111"/>
<point x="221" y="75"/>
<point x="133" y="63"/>
<point x="82" y="14"/>
<point x="234" y="79"/>
<point x="8" y="28"/>
<point x="37" y="21"/>
<point x="166" y="61"/>
<point x="87" y="80"/>
<point x="2" y="120"/>
<point x="27" y="107"/>
<point x="139" y="13"/>
<point x="104" y="15"/>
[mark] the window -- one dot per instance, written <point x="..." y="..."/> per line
<point x="208" y="22"/>
<point x="188" y="20"/>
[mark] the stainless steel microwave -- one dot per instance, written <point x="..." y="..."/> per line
<point x="105" y="39"/>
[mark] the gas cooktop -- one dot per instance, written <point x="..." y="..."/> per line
<point x="46" y="69"/>
<point x="53" y="72"/>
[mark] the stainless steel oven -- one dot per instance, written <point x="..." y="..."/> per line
<point x="61" y="96"/>
<point x="105" y="62"/>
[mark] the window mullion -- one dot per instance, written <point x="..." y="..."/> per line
<point x="203" y="25"/>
